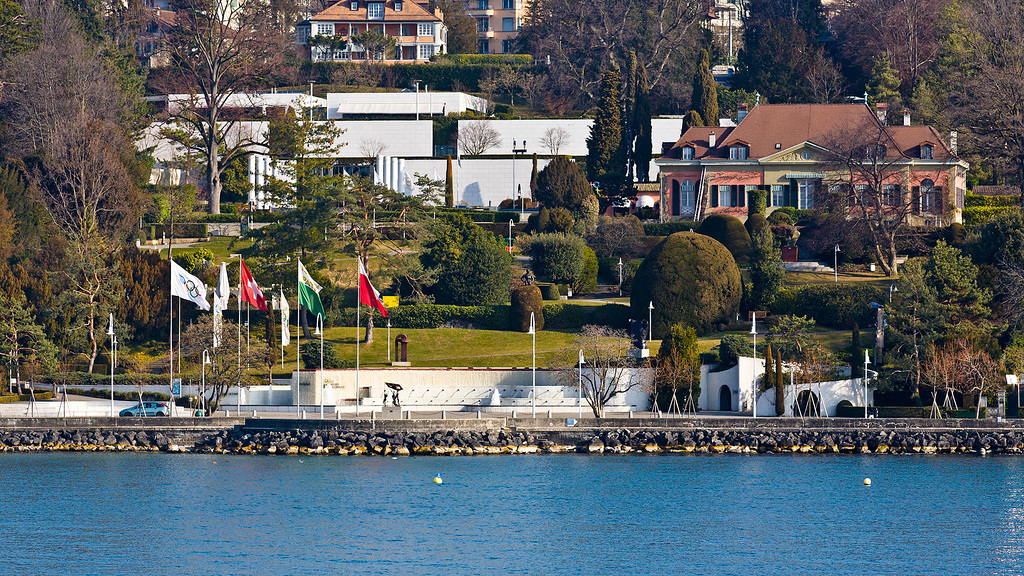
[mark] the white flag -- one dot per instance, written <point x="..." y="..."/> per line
<point x="286" y="333"/>
<point x="220" y="302"/>
<point x="187" y="286"/>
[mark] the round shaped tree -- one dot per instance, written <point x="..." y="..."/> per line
<point x="729" y="231"/>
<point x="756" y="223"/>
<point x="526" y="299"/>
<point x="691" y="279"/>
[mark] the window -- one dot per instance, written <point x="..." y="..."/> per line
<point x="928" y="200"/>
<point x="806" y="155"/>
<point x="687" y="152"/>
<point x="425" y="30"/>
<point x="805" y="191"/>
<point x="724" y="197"/>
<point x="426" y="51"/>
<point x="860" y="191"/>
<point x="482" y="4"/>
<point x="325" y="29"/>
<point x="301" y="34"/>
<point x="778" y="195"/>
<point x="890" y="194"/>
<point x="408" y="30"/>
<point x="508" y="4"/>
<point x="506" y="46"/>
<point x="398" y="6"/>
<point x="926" y="151"/>
<point x="354" y="5"/>
<point x="484" y="47"/>
<point x="737" y="153"/>
<point x="482" y="24"/>
<point x="875" y="152"/>
<point x="508" y="25"/>
<point x="375" y="11"/>
<point x="686" y="194"/>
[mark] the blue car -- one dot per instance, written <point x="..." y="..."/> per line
<point x="148" y="409"/>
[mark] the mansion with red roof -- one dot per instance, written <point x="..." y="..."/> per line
<point x="792" y="151"/>
<point x="418" y="32"/>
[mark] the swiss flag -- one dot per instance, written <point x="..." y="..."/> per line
<point x="251" y="292"/>
<point x="367" y="293"/>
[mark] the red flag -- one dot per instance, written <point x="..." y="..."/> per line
<point x="251" y="292"/>
<point x="367" y="293"/>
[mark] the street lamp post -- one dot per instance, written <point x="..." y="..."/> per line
<point x="753" y="384"/>
<point x="113" y="360"/>
<point x="579" y="400"/>
<point x="517" y="150"/>
<point x="650" y="323"/>
<point x="509" y="235"/>
<point x="533" y="390"/>
<point x="835" y="264"/>
<point x="389" y="341"/>
<point x="206" y="360"/>
<point x="866" y="362"/>
<point x="620" y="276"/>
<point x="320" y="332"/>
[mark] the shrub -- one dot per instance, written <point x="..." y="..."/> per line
<point x="757" y="202"/>
<point x="780" y="218"/>
<point x="565" y="316"/>
<point x="730" y="232"/>
<point x="543" y="219"/>
<point x="427" y="316"/>
<point x="196" y="260"/>
<point x="691" y="279"/>
<point x="731" y="347"/>
<point x="561" y="221"/>
<point x="833" y="305"/>
<point x="608" y="269"/>
<point x="332" y="361"/>
<point x="586" y="282"/>
<point x="669" y="228"/>
<point x="502" y="217"/>
<point x="978" y="215"/>
<point x="629" y="270"/>
<point x="562" y="183"/>
<point x="755" y="223"/>
<point x="527" y="299"/>
<point x="618" y="237"/>
<point x="955" y="234"/>
<point x="550" y="291"/>
<point x="558" y="257"/>
<point x="614" y="315"/>
<point x="972" y="200"/>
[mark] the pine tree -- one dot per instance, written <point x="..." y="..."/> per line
<point x="629" y="127"/>
<point x="780" y="389"/>
<point x="642" y="148"/>
<point x="605" y="163"/>
<point x="884" y="84"/>
<point x="705" y="91"/>
<point x="533" y="179"/>
<point x="449" y="185"/>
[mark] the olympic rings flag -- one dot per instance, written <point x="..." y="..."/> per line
<point x="188" y="287"/>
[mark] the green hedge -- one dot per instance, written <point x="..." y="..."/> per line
<point x="478" y="59"/>
<point x="669" y="228"/>
<point x="906" y="412"/>
<point x="85" y="379"/>
<point x="440" y="75"/>
<point x="127" y="396"/>
<point x="564" y="316"/>
<point x="189" y="230"/>
<point x="221" y="218"/>
<point x="10" y="398"/>
<point x="978" y="200"/>
<point x="978" y="215"/>
<point x="427" y="316"/>
<point x="549" y="291"/>
<point x="833" y="305"/>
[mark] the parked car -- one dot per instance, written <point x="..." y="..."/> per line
<point x="148" y="409"/>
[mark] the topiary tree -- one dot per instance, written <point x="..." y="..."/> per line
<point x="691" y="119"/>
<point x="586" y="215"/>
<point x="543" y="220"/>
<point x="562" y="184"/>
<point x="586" y="282"/>
<point x="766" y="272"/>
<point x="756" y="223"/>
<point x="550" y="292"/>
<point x="691" y="279"/>
<point x="730" y="232"/>
<point x="757" y="202"/>
<point x="780" y="218"/>
<point x="557" y="257"/>
<point x="449" y="185"/>
<point x="526" y="299"/>
<point x="769" y="368"/>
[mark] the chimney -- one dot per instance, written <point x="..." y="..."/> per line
<point x="906" y="117"/>
<point x="711" y="140"/>
<point x="741" y="112"/>
<point x="952" y="141"/>
<point x="880" y="110"/>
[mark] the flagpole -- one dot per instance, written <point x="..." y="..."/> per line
<point x="298" y="331"/>
<point x="359" y="295"/>
<point x="239" y="326"/>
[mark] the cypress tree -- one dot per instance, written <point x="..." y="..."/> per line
<point x="855" y="368"/>
<point x="705" y="91"/>
<point x="642" y="148"/>
<point x="533" y="179"/>
<point x="604" y="146"/>
<point x="769" y="368"/>
<point x="629" y="127"/>
<point x="449" y="185"/>
<point x="780" y="390"/>
<point x="691" y="119"/>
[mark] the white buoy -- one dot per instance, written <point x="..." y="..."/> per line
<point x="867" y="481"/>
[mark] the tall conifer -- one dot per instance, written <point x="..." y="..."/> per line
<point x="705" y="91"/>
<point x="605" y="162"/>
<point x="449" y="185"/>
<point x="642" y="114"/>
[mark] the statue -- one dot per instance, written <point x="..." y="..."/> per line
<point x="528" y="278"/>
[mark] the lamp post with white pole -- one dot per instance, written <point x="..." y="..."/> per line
<point x="202" y="399"/>
<point x="320" y="332"/>
<point x="389" y="341"/>
<point x="753" y="384"/>
<point x="509" y="235"/>
<point x="579" y="400"/>
<point x="650" y="323"/>
<point x="113" y="360"/>
<point x="533" y="390"/>
<point x="620" y="276"/>
<point x="867" y="360"/>
<point x="835" y="264"/>
<point x="517" y="150"/>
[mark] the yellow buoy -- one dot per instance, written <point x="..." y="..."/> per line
<point x="437" y="479"/>
<point x="867" y="481"/>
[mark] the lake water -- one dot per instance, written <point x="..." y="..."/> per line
<point x="555" y="514"/>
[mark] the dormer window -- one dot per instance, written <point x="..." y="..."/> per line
<point x="398" y="6"/>
<point x="687" y="152"/>
<point x="354" y="5"/>
<point x="926" y="151"/>
<point x="738" y="152"/>
<point x="375" y="11"/>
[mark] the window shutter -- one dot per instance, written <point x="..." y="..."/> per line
<point x="732" y="195"/>
<point x="742" y="193"/>
<point x="768" y="193"/>
<point x="939" y="200"/>
<point x="790" y="194"/>
<point x="714" y="195"/>
<point x="915" y="196"/>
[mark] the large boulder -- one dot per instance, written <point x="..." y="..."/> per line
<point x="691" y="279"/>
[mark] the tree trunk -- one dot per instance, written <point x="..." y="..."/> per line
<point x="369" y="328"/>
<point x="213" y="176"/>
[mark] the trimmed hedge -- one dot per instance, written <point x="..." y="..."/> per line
<point x="125" y="396"/>
<point x="85" y="379"/>
<point x="526" y="301"/>
<point x="978" y="200"/>
<point x="978" y="215"/>
<point x="905" y="412"/>
<point x="477" y="59"/>
<point x="427" y="316"/>
<point x="730" y="232"/>
<point x="832" y="305"/>
<point x="669" y="228"/>
<point x="564" y="316"/>
<point x="549" y="291"/>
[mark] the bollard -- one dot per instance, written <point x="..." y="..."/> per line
<point x="253" y="413"/>
<point x="513" y="413"/>
<point x="303" y="414"/>
<point x="408" y="414"/>
<point x="227" y="413"/>
<point x="549" y="414"/>
<point x="630" y="414"/>
<point x="337" y="414"/>
<point x="442" y="415"/>
<point x="477" y="414"/>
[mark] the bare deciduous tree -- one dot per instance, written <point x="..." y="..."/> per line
<point x="608" y="370"/>
<point x="554" y="138"/>
<point x="370" y="148"/>
<point x="228" y="360"/>
<point x="824" y="79"/>
<point x="477" y="137"/>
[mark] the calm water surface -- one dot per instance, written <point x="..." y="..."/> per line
<point x="560" y="514"/>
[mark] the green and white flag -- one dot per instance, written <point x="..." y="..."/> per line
<point x="309" y="292"/>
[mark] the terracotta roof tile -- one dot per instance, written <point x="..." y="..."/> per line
<point x="910" y="138"/>
<point x="342" y="12"/>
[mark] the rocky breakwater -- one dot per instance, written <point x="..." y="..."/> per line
<point x="619" y="441"/>
<point x="94" y="441"/>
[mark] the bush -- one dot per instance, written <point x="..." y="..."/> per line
<point x="502" y="217"/>
<point x="608" y="269"/>
<point x="755" y="223"/>
<point x="978" y="215"/>
<point x="196" y="260"/>
<point x="564" y="316"/>
<point x="955" y="234"/>
<point x="832" y="305"/>
<point x="586" y="282"/>
<point x="124" y="396"/>
<point x="428" y="316"/>
<point x="691" y="279"/>
<point x="731" y="347"/>
<point x="614" y="315"/>
<point x="558" y="257"/>
<point x="549" y="292"/>
<point x="730" y="232"/>
<point x="669" y="228"/>
<point x="527" y="299"/>
<point x="618" y="237"/>
<point x="757" y="202"/>
<point x="332" y="361"/>
<point x="543" y="220"/>
<point x="629" y="270"/>
<point x="561" y="221"/>
<point x="972" y="200"/>
<point x="780" y="218"/>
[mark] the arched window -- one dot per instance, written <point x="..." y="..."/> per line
<point x="927" y="195"/>
<point x="686" y="194"/>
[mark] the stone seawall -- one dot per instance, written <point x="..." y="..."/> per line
<point x="525" y="436"/>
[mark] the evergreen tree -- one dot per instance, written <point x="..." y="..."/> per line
<point x="705" y="92"/>
<point x="449" y="185"/>
<point x="533" y="179"/>
<point x="691" y="119"/>
<point x="642" y="148"/>
<point x="629" y="127"/>
<point x="562" y="184"/>
<point x="769" y="368"/>
<point x="766" y="272"/>
<point x="855" y="368"/>
<point x="780" y="388"/>
<point x="884" y="84"/>
<point x="605" y="161"/>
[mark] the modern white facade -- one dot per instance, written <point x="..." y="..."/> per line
<point x="341" y="105"/>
